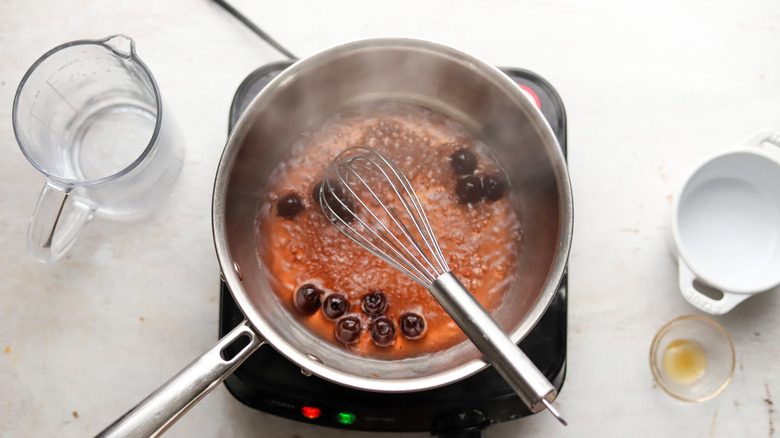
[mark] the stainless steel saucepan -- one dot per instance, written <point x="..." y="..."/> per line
<point x="299" y="99"/>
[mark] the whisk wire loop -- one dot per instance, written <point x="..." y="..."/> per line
<point x="381" y="235"/>
<point x="375" y="244"/>
<point x="391" y="237"/>
<point x="407" y="194"/>
<point x="418" y="216"/>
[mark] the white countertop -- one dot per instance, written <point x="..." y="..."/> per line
<point x="649" y="88"/>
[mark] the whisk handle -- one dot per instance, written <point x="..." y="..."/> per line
<point x="512" y="364"/>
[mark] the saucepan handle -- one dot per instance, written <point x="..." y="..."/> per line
<point x="162" y="408"/>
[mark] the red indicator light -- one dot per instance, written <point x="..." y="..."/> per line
<point x="530" y="93"/>
<point x="311" y="412"/>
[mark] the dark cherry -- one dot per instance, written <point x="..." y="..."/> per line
<point x="383" y="331"/>
<point x="348" y="329"/>
<point x="344" y="211"/>
<point x="334" y="306"/>
<point x="334" y="192"/>
<point x="412" y="325"/>
<point x="315" y="192"/>
<point x="307" y="299"/>
<point x="492" y="187"/>
<point x="374" y="303"/>
<point x="463" y="162"/>
<point x="469" y="189"/>
<point x="289" y="205"/>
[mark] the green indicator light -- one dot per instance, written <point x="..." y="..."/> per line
<point x="346" y="417"/>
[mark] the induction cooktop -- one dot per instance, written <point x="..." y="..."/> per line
<point x="268" y="382"/>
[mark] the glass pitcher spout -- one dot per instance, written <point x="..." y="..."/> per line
<point x="120" y="44"/>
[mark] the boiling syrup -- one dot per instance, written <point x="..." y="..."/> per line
<point x="481" y="241"/>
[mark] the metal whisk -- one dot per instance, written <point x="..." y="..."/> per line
<point x="369" y="199"/>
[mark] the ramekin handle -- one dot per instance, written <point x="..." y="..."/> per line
<point x="761" y="138"/>
<point x="701" y="301"/>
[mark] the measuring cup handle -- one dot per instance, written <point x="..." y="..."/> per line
<point x="155" y="414"/>
<point x="56" y="222"/>
<point x="701" y="301"/>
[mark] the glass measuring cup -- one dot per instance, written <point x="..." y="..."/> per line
<point x="89" y="116"/>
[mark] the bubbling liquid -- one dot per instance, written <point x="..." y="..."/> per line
<point x="481" y="240"/>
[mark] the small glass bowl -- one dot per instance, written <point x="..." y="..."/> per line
<point x="676" y="358"/>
